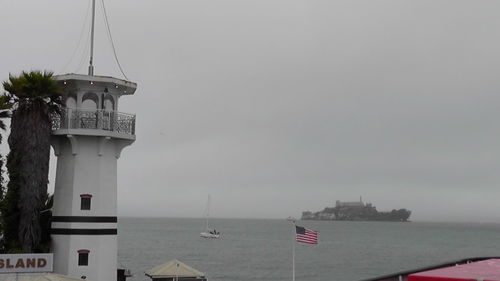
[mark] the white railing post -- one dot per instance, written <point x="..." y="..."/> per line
<point x="68" y="113"/>
<point x="99" y="119"/>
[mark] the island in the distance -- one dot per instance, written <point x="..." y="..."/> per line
<point x="356" y="211"/>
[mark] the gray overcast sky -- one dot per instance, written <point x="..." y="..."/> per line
<point x="278" y="106"/>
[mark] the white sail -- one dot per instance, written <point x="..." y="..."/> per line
<point x="209" y="232"/>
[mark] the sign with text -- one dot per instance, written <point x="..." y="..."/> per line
<point x="26" y="263"/>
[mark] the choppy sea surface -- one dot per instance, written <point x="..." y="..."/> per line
<point x="253" y="249"/>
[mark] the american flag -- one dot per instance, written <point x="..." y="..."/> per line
<point x="304" y="235"/>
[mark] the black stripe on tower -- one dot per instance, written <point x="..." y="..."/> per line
<point x="79" y="231"/>
<point x="83" y="219"/>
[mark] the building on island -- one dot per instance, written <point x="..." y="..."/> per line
<point x="354" y="204"/>
<point x="356" y="211"/>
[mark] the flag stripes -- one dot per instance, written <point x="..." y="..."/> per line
<point x="304" y="235"/>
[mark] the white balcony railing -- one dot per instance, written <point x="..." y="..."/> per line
<point x="95" y="120"/>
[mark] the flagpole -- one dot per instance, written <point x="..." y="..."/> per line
<point x="293" y="252"/>
<point x="292" y="220"/>
<point x="301" y="235"/>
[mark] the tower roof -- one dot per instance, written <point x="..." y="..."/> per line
<point x="122" y="87"/>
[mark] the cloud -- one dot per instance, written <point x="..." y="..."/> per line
<point x="278" y="107"/>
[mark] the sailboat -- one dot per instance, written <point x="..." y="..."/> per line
<point x="209" y="232"/>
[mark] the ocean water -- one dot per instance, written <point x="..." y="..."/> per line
<point x="262" y="249"/>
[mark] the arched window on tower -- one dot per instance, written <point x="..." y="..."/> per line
<point x="90" y="101"/>
<point x="71" y="106"/>
<point x="109" y="103"/>
<point x="71" y="102"/>
<point x="88" y="114"/>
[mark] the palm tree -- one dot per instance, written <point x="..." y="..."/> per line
<point x="5" y="105"/>
<point x="35" y="96"/>
<point x="4" y="113"/>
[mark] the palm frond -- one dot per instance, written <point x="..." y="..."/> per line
<point x="32" y="88"/>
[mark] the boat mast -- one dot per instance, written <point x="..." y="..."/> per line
<point x="91" y="65"/>
<point x="208" y="213"/>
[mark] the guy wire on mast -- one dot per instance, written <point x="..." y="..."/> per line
<point x="111" y="39"/>
<point x="89" y="42"/>
<point x="79" y="44"/>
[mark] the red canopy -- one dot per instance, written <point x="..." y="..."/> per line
<point x="487" y="270"/>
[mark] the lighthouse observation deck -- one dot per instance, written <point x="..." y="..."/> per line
<point x="94" y="122"/>
<point x="90" y="107"/>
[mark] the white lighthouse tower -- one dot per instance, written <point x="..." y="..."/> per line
<point x="88" y="139"/>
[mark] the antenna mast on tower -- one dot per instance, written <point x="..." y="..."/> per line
<point x="91" y="65"/>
